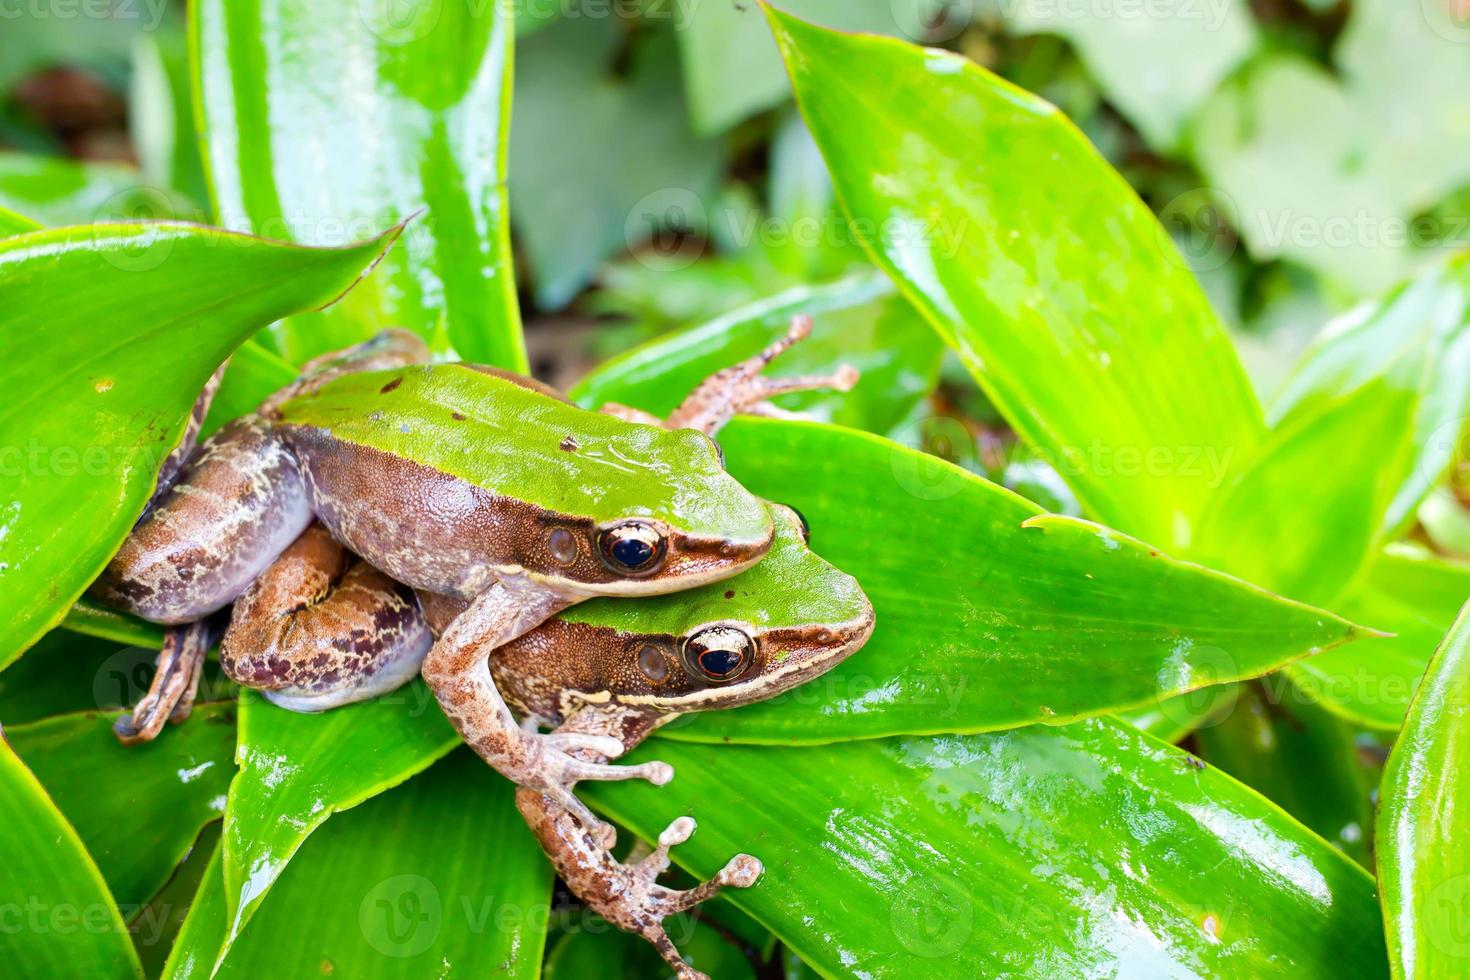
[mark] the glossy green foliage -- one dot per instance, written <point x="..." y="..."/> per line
<point x="1423" y="860"/>
<point x="137" y="810"/>
<point x="59" y="192"/>
<point x="118" y="380"/>
<point x="437" y="877"/>
<point x="15" y="224"/>
<point x="598" y="949"/>
<point x="1079" y="851"/>
<point x="327" y="120"/>
<point x="1008" y="617"/>
<point x="69" y="925"/>
<point x="297" y="770"/>
<point x="860" y="320"/>
<point x="1005" y="227"/>
<point x="510" y="439"/>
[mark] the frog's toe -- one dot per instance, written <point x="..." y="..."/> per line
<point x="657" y="773"/>
<point x="603" y="745"/>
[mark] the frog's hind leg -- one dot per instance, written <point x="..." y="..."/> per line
<point x="175" y="683"/>
<point x="741" y="388"/>
<point x="321" y="628"/>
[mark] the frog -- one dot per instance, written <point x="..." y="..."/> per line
<point x="302" y="531"/>
<point x="624" y="669"/>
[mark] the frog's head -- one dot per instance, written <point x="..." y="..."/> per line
<point x="785" y="621"/>
<point x="655" y="513"/>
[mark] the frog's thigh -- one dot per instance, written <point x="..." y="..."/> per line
<point x="322" y="628"/>
<point x="235" y="505"/>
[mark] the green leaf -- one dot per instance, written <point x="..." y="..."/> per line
<point x="138" y="809"/>
<point x="1156" y="65"/>
<point x="62" y="920"/>
<point x="1416" y="339"/>
<point x="1077" y="851"/>
<point x="1304" y="516"/>
<point x="118" y="380"/>
<point x="91" y="618"/>
<point x="571" y="212"/>
<point x="598" y="949"/>
<point x="437" y="877"/>
<point x="1415" y="596"/>
<point x="296" y="770"/>
<point x="161" y="117"/>
<point x="998" y="219"/>
<point x="15" y="224"/>
<point x="1422" y="859"/>
<point x="326" y="119"/>
<point x="59" y="192"/>
<point x="1299" y="756"/>
<point x="990" y="614"/>
<point x="860" y="321"/>
<point x="253" y="374"/>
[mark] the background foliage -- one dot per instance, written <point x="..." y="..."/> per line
<point x="1061" y="319"/>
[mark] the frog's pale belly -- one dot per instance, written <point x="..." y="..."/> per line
<point x="428" y="529"/>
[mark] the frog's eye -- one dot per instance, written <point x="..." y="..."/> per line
<point x="719" y="653"/>
<point x="632" y="548"/>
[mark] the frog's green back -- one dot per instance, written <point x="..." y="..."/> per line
<point x="790" y="588"/>
<point x="516" y="441"/>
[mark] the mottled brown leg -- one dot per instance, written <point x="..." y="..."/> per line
<point x="321" y="628"/>
<point x="457" y="670"/>
<point x="175" y="683"/>
<point x="626" y="894"/>
<point x="740" y="388"/>
<point x="392" y="348"/>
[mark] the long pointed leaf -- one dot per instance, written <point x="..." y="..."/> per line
<point x="101" y="389"/>
<point x="1089" y="850"/>
<point x="998" y="219"/>
<point x="1423" y="860"/>
<point x="325" y="117"/>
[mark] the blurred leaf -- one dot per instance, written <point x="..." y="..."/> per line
<point x="1300" y="757"/>
<point x="296" y="770"/>
<point x="438" y="877"/>
<point x="1405" y="68"/>
<point x="138" y="809"/>
<point x="1446" y="522"/>
<point x="1157" y="64"/>
<point x="57" y="192"/>
<point x="119" y="379"/>
<point x="990" y="614"/>
<point x="602" y="950"/>
<point x="161" y="116"/>
<point x="1304" y="515"/>
<point x="1415" y="596"/>
<point x="1077" y="851"/>
<point x="95" y="36"/>
<point x="860" y="321"/>
<point x="1416" y="339"/>
<point x="1422" y="859"/>
<point x="1284" y="150"/>
<point x="326" y="120"/>
<point x="65" y="923"/>
<point x="15" y="224"/>
<point x="599" y="164"/>
<point x="1003" y="225"/>
<point x="733" y="70"/>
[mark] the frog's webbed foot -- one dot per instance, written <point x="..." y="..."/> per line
<point x="741" y="388"/>
<point x="175" y="684"/>
<point x="627" y="894"/>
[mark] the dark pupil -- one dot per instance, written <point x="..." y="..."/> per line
<point x="719" y="663"/>
<point x="632" y="552"/>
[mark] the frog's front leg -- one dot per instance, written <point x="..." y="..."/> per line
<point x="457" y="670"/>
<point x="741" y="388"/>
<point x="321" y="628"/>
<point x="626" y="894"/>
